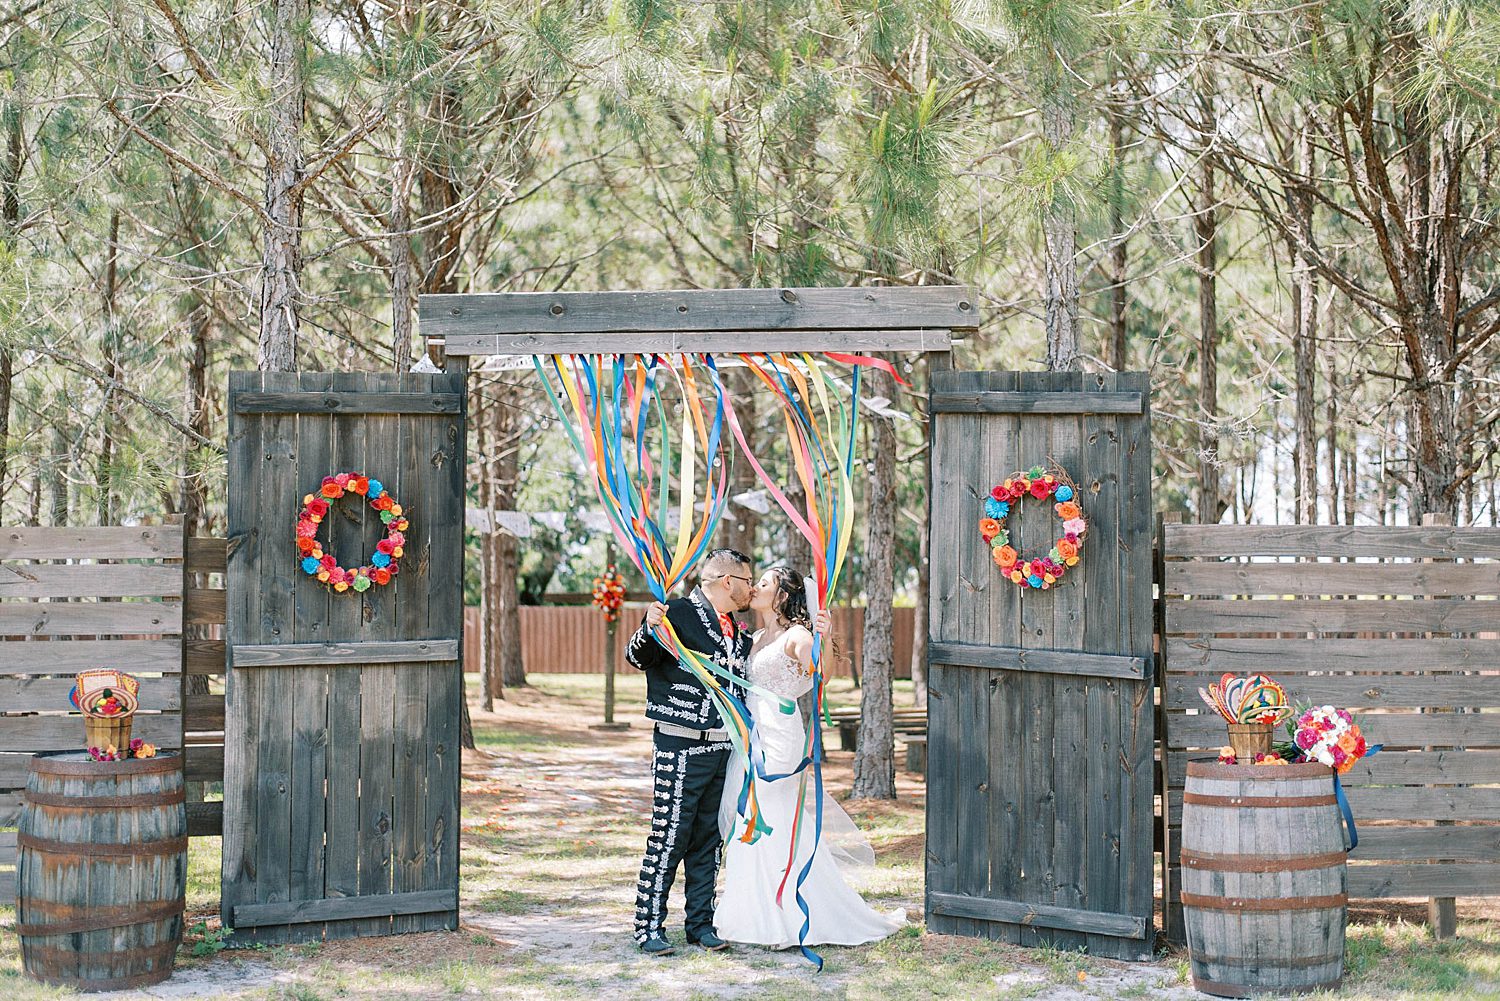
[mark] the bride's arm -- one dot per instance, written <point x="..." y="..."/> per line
<point x="798" y="646"/>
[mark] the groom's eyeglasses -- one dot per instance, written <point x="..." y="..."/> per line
<point x="733" y="577"/>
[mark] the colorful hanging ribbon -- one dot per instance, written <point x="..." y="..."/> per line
<point x="821" y="439"/>
<point x="611" y="403"/>
<point x="607" y="397"/>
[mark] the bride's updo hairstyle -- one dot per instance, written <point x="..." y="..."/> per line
<point x="790" y="601"/>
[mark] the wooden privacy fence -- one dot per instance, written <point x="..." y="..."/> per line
<point x="1389" y="622"/>
<point x="72" y="599"/>
<point x="569" y="639"/>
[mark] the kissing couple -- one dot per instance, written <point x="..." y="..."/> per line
<point x="694" y="811"/>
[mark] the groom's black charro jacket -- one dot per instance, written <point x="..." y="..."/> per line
<point x="673" y="693"/>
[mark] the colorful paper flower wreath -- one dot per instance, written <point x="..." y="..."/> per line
<point x="1039" y="484"/>
<point x="316" y="563"/>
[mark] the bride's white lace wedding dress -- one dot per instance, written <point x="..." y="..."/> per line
<point x="747" y="910"/>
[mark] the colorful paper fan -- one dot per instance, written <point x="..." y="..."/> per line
<point x="1251" y="699"/>
<point x="92" y="687"/>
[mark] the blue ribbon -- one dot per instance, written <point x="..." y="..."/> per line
<point x="1338" y="794"/>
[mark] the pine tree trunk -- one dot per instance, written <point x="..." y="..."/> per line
<point x="1206" y="225"/>
<point x="504" y="435"/>
<point x="58" y="468"/>
<point x="10" y="224"/>
<point x="443" y="246"/>
<point x="1331" y="441"/>
<point x="875" y="756"/>
<point x="1304" y="350"/>
<point x="104" y="478"/>
<point x="489" y="680"/>
<point x="194" y="492"/>
<point x="1118" y="354"/>
<point x="1060" y="232"/>
<point x="400" y="252"/>
<point x="281" y="263"/>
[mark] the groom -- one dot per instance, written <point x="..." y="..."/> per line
<point x="692" y="748"/>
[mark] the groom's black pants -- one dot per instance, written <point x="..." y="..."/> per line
<point x="689" y="780"/>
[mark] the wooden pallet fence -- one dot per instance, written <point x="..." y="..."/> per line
<point x="569" y="639"/>
<point x="1365" y="618"/>
<point x="72" y="599"/>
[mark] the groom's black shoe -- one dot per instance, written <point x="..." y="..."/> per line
<point x="709" y="941"/>
<point x="656" y="945"/>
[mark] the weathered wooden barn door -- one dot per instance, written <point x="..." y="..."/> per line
<point x="342" y="718"/>
<point x="1039" y="781"/>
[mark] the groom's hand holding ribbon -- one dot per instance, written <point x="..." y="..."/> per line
<point x="655" y="612"/>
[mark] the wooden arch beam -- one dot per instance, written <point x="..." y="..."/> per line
<point x="884" y="318"/>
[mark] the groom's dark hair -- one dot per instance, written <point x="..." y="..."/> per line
<point x="721" y="561"/>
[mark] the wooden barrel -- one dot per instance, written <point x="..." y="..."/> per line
<point x="1264" y="878"/>
<point x="102" y="870"/>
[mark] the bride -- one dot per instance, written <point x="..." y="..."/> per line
<point x="748" y="911"/>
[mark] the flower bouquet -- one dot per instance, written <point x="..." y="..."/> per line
<point x="1327" y="734"/>
<point x="609" y="593"/>
<point x="1251" y="706"/>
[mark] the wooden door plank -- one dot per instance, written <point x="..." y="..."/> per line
<point x="1036" y="402"/>
<point x="1032" y="532"/>
<point x="1040" y="661"/>
<point x="720" y="342"/>
<point x="355" y="653"/>
<point x="318" y="456"/>
<point x="441" y="808"/>
<point x="1102" y="495"/>
<point x="341" y="908"/>
<point x="717" y="310"/>
<point x="352" y="402"/>
<point x="278" y="479"/>
<point x="1041" y="916"/>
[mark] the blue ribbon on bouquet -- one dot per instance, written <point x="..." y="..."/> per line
<point x="1338" y="794"/>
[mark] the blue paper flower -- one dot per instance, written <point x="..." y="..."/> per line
<point x="1064" y="493"/>
<point x="1034" y="580"/>
<point x="1004" y="508"/>
<point x="375" y="487"/>
<point x="380" y="560"/>
<point x="310" y="566"/>
<point x="992" y="508"/>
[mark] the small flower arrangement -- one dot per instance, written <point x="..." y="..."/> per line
<point x="382" y="566"/>
<point x="1038" y="483"/>
<point x="609" y="593"/>
<point x="1228" y="757"/>
<point x="1328" y="735"/>
<point x="137" y="748"/>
